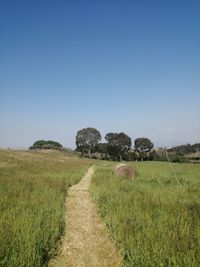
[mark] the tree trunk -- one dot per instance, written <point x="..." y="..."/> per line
<point x="142" y="157"/>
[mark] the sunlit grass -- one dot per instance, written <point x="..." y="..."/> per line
<point x="154" y="220"/>
<point x="33" y="187"/>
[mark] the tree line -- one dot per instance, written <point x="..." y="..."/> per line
<point x="118" y="146"/>
<point x="185" y="149"/>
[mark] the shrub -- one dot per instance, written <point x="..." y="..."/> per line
<point x="42" y="144"/>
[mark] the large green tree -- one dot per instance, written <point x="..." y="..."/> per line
<point x="87" y="139"/>
<point x="118" y="145"/>
<point x="143" y="146"/>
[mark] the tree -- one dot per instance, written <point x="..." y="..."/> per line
<point x="132" y="155"/>
<point x="42" y="144"/>
<point x="87" y="139"/>
<point x="102" y="148"/>
<point x="143" y="146"/>
<point x="118" y="145"/>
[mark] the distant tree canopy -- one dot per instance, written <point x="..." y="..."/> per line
<point x="87" y="140"/>
<point x="102" y="148"/>
<point x="42" y="144"/>
<point x="185" y="149"/>
<point x="143" y="146"/>
<point x="118" y="145"/>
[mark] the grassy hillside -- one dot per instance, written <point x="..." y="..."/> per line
<point x="154" y="221"/>
<point x="33" y="186"/>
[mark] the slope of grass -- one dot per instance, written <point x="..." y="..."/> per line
<point x="154" y="221"/>
<point x="33" y="187"/>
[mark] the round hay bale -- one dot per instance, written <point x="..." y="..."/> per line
<point x="122" y="169"/>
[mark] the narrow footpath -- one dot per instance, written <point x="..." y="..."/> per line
<point x="86" y="242"/>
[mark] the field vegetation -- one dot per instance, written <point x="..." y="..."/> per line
<point x="154" y="220"/>
<point x="33" y="187"/>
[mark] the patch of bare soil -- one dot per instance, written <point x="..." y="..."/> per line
<point x="86" y="242"/>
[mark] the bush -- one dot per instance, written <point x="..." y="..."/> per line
<point x="42" y="144"/>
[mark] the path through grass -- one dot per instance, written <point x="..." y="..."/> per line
<point x="86" y="242"/>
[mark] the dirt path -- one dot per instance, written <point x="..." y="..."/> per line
<point x="86" y="242"/>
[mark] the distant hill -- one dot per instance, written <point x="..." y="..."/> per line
<point x="185" y="149"/>
<point x="185" y="153"/>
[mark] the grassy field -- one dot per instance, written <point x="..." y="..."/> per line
<point x="33" y="187"/>
<point x="154" y="220"/>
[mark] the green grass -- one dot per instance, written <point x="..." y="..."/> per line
<point x="154" y="221"/>
<point x="33" y="187"/>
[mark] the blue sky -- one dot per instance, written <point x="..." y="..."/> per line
<point x="131" y="66"/>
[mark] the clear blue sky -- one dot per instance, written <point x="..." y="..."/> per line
<point x="131" y="66"/>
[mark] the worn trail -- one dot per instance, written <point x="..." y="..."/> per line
<point x="86" y="242"/>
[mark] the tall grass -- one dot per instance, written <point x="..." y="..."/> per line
<point x="33" y="187"/>
<point x="154" y="221"/>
